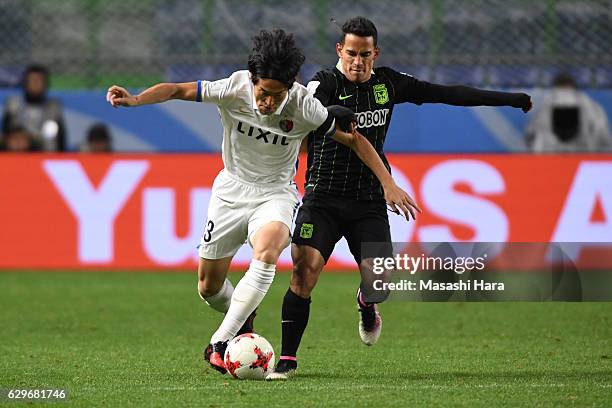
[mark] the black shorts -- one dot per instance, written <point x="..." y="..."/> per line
<point x="324" y="220"/>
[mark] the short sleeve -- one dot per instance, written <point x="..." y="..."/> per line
<point x="214" y="91"/>
<point x="313" y="111"/>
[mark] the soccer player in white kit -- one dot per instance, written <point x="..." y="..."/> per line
<point x="265" y="116"/>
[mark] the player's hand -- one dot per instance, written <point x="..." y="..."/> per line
<point x="344" y="117"/>
<point x="527" y="104"/>
<point x="398" y="199"/>
<point x="347" y="137"/>
<point x="118" y="96"/>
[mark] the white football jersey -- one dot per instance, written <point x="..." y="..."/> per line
<point x="258" y="148"/>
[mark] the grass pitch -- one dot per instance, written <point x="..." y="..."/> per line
<point x="135" y="339"/>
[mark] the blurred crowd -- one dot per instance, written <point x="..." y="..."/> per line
<point x="568" y="120"/>
<point x="32" y="121"/>
<point x="565" y="120"/>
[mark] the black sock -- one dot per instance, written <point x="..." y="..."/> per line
<point x="361" y="300"/>
<point x="295" y="319"/>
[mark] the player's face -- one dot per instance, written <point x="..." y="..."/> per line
<point x="357" y="56"/>
<point x="269" y="94"/>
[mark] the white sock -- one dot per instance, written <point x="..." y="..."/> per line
<point x="248" y="294"/>
<point x="221" y="300"/>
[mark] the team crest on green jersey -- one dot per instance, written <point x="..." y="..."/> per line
<point x="381" y="96"/>
<point x="306" y="231"/>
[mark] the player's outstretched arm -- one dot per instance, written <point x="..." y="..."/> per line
<point x="461" y="95"/>
<point x="395" y="197"/>
<point x="119" y="96"/>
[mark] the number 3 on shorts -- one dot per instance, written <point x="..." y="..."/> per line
<point x="210" y="226"/>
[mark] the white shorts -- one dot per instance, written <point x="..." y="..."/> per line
<point x="238" y="209"/>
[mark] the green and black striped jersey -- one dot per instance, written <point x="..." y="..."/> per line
<point x="333" y="169"/>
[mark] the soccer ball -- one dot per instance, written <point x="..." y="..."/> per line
<point x="249" y="356"/>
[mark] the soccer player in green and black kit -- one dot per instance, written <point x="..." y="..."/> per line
<point x="343" y="197"/>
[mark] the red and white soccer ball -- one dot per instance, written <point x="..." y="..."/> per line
<point x="249" y="357"/>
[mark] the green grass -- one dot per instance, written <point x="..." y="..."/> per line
<point x="135" y="339"/>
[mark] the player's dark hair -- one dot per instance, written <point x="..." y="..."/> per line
<point x="361" y="27"/>
<point x="275" y="56"/>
